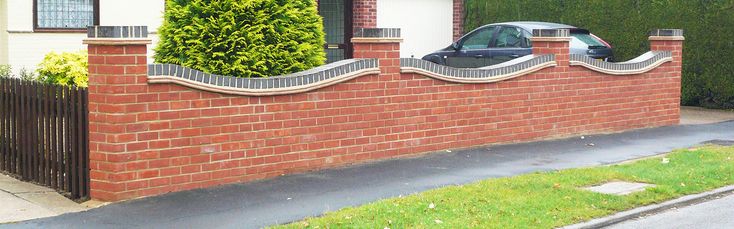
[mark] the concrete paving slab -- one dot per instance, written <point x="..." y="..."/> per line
<point x="21" y="201"/>
<point x="14" y="209"/>
<point x="698" y="115"/>
<point x="620" y="188"/>
<point x="13" y="185"/>
<point x="53" y="202"/>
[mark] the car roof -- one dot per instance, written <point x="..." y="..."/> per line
<point x="531" y="25"/>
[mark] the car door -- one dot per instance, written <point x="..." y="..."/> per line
<point x="473" y="50"/>
<point x="512" y="42"/>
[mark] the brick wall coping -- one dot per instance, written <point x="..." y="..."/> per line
<point x="508" y="70"/>
<point x="299" y="82"/>
<point x="641" y="64"/>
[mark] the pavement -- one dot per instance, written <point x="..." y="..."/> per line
<point x="24" y="201"/>
<point x="697" y="115"/>
<point x="717" y="213"/>
<point x="294" y="197"/>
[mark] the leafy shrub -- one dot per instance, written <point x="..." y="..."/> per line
<point x="245" y="38"/>
<point x="68" y="68"/>
<point x="708" y="75"/>
<point x="6" y="71"/>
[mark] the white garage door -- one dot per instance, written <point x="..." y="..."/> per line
<point x="427" y="25"/>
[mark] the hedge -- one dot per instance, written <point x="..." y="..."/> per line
<point x="708" y="70"/>
<point x="244" y="38"/>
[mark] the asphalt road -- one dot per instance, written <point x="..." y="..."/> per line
<point x="714" y="214"/>
<point x="290" y="198"/>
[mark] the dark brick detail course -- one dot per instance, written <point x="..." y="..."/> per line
<point x="377" y="33"/>
<point x="117" y="32"/>
<point x="487" y="72"/>
<point x="307" y="77"/>
<point x="667" y="32"/>
<point x="654" y="56"/>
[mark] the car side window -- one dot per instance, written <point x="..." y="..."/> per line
<point x="479" y="39"/>
<point x="526" y="38"/>
<point x="510" y="37"/>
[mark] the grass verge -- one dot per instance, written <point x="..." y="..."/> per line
<point x="541" y="200"/>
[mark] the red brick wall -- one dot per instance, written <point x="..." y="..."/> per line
<point x="365" y="14"/>
<point x="458" y="19"/>
<point x="148" y="139"/>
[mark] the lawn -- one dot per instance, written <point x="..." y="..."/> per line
<point x="541" y="200"/>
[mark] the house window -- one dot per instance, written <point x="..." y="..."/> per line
<point x="65" y="14"/>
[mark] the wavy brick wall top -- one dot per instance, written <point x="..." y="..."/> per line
<point x="304" y="81"/>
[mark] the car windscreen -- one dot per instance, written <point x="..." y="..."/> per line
<point x="588" y="40"/>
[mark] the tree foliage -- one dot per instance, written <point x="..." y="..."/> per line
<point x="708" y="75"/>
<point x="244" y="38"/>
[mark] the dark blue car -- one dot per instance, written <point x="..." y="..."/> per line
<point x="496" y="43"/>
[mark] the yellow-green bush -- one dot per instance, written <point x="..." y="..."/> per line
<point x="67" y="68"/>
<point x="5" y="71"/>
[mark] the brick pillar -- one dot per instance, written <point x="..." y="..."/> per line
<point x="671" y="40"/>
<point x="117" y="63"/>
<point x="380" y="43"/>
<point x="458" y="19"/>
<point x="552" y="41"/>
<point x="668" y="40"/>
<point x="364" y="14"/>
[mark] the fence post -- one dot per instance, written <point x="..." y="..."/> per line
<point x="117" y="62"/>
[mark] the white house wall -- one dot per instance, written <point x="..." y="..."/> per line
<point x="427" y="25"/>
<point x="26" y="48"/>
<point x="3" y="32"/>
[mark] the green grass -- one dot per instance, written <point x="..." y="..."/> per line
<point x="541" y="200"/>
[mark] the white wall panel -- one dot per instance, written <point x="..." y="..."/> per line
<point x="427" y="25"/>
<point x="132" y="12"/>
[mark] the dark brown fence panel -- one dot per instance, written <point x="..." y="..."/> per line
<point x="44" y="135"/>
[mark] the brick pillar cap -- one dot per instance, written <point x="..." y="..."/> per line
<point x="377" y="35"/>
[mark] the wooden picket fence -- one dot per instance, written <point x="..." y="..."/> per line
<point x="44" y="135"/>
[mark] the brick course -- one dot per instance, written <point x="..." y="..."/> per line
<point x="149" y="139"/>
